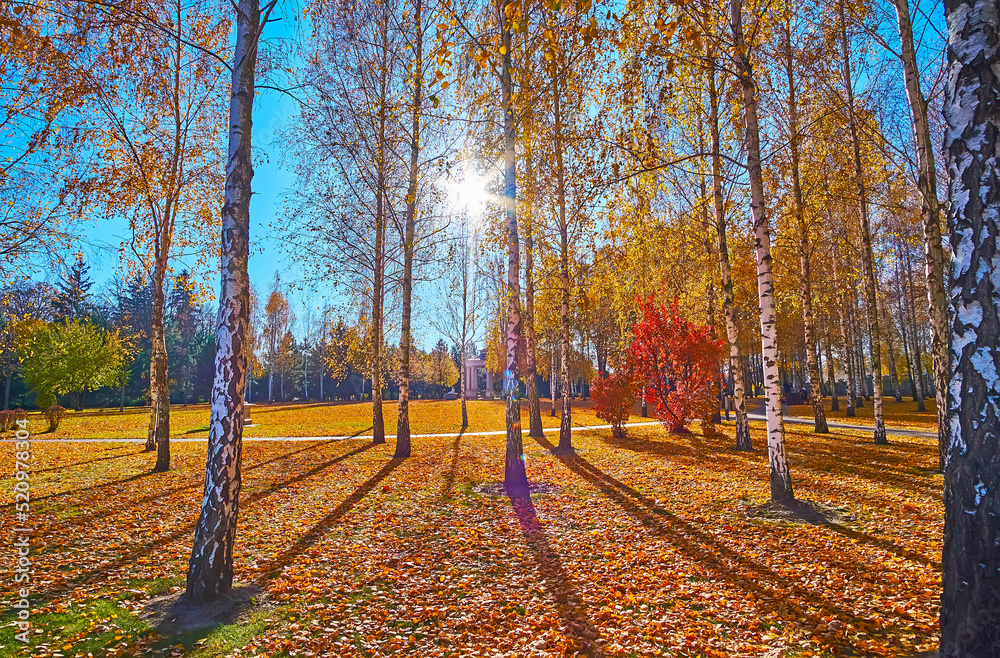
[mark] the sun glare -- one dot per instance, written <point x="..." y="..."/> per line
<point x="469" y="192"/>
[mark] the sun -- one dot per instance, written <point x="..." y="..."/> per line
<point x="469" y="192"/>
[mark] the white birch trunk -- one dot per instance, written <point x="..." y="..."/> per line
<point x="210" y="571"/>
<point x="970" y="603"/>
<point x="781" y="480"/>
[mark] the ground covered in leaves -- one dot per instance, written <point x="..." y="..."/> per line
<point x="635" y="547"/>
<point x="898" y="415"/>
<point x="296" y="419"/>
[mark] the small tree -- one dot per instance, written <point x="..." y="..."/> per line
<point x="678" y="362"/>
<point x="70" y="358"/>
<point x="614" y="395"/>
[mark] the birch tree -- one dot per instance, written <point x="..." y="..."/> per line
<point x="781" y="481"/>
<point x="970" y="603"/>
<point x="210" y="570"/>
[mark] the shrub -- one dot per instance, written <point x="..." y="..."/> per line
<point x="613" y="396"/>
<point x="54" y="414"/>
<point x="45" y="399"/>
<point x="7" y="419"/>
<point x="679" y="364"/>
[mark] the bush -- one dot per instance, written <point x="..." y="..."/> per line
<point x="7" y="420"/>
<point x="679" y="364"/>
<point x="45" y="399"/>
<point x="54" y="414"/>
<point x="613" y="396"/>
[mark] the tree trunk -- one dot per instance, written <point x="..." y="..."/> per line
<point x="159" y="422"/>
<point x="378" y="285"/>
<point x="858" y="350"/>
<point x="918" y="361"/>
<point x="970" y="603"/>
<point x="781" y="481"/>
<point x="531" y="383"/>
<point x="815" y="394"/>
<point x="893" y="371"/>
<point x="210" y="571"/>
<point x="710" y="287"/>
<point x="403" y="420"/>
<point x="867" y="257"/>
<point x="831" y="373"/>
<point x="931" y="215"/>
<point x="121" y="402"/>
<point x="515" y="476"/>
<point x="6" y="394"/>
<point x="552" y="384"/>
<point x="463" y="383"/>
<point x="565" y="421"/>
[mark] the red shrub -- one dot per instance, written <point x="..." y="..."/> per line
<point x="613" y="396"/>
<point x="679" y="364"/>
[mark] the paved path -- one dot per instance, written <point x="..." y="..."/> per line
<point x="755" y="410"/>
<point x="576" y="428"/>
<point x="299" y="439"/>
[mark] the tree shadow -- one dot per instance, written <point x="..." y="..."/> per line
<point x="583" y="634"/>
<point x="315" y="533"/>
<point x="449" y="479"/>
<point x="740" y="571"/>
<point x="189" y="528"/>
<point x="199" y="482"/>
<point x="884" y="544"/>
<point x="89" y="461"/>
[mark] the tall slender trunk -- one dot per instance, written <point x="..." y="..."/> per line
<point x="159" y="422"/>
<point x="781" y="480"/>
<point x="515" y="476"/>
<point x="463" y="375"/>
<point x="565" y="421"/>
<point x="6" y="394"/>
<point x="931" y="214"/>
<point x="710" y="286"/>
<point x="893" y="371"/>
<point x="808" y="330"/>
<point x="867" y="257"/>
<point x="831" y="373"/>
<point x="210" y="571"/>
<point x="552" y="383"/>
<point x="918" y="363"/>
<point x="970" y="602"/>
<point x="845" y="337"/>
<point x="121" y="401"/>
<point x="403" y="419"/>
<point x="378" y="278"/>
<point x="858" y="347"/>
<point x="531" y="344"/>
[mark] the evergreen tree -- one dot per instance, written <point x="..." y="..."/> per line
<point x="72" y="300"/>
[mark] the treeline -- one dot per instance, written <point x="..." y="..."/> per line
<point x="72" y="344"/>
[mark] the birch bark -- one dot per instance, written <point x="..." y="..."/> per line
<point x="403" y="447"/>
<point x="866" y="238"/>
<point x="931" y="215"/>
<point x="970" y="602"/>
<point x="515" y="476"/>
<point x="210" y="570"/>
<point x="781" y="480"/>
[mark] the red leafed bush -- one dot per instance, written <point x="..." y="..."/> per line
<point x="613" y="396"/>
<point x="679" y="364"/>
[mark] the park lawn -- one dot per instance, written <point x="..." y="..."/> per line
<point x="640" y="546"/>
<point x="301" y="419"/>
<point x="900" y="415"/>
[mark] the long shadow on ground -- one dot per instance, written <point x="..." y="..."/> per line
<point x="740" y="571"/>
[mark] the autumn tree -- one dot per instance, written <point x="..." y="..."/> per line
<point x="970" y="607"/>
<point x="210" y="569"/>
<point x="781" y="482"/>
